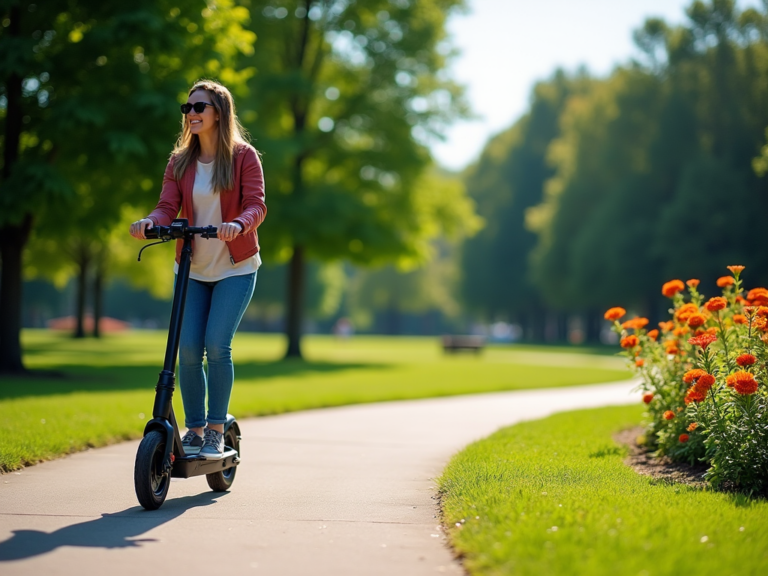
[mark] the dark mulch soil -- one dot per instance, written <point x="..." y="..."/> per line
<point x="662" y="469"/>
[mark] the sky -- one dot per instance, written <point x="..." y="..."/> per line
<point x="506" y="46"/>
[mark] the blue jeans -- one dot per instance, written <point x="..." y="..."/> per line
<point x="211" y="316"/>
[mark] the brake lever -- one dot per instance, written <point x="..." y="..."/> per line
<point x="148" y="245"/>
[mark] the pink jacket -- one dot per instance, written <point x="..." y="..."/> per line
<point x="243" y="204"/>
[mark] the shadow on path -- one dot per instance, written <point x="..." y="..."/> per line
<point x="118" y="530"/>
<point x="120" y="377"/>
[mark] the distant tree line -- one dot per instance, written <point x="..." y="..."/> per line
<point x="608" y="187"/>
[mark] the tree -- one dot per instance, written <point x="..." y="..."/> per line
<point x="507" y="180"/>
<point x="428" y="287"/>
<point x="90" y="92"/>
<point x="653" y="172"/>
<point x="346" y="94"/>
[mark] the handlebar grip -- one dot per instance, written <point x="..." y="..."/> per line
<point x="204" y="231"/>
<point x="153" y="233"/>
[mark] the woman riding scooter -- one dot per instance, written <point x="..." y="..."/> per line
<point x="214" y="177"/>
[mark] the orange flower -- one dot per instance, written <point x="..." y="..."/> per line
<point x="739" y="319"/>
<point x="685" y="311"/>
<point x="668" y="415"/>
<point x="694" y="395"/>
<point x="671" y="346"/>
<point x="704" y="383"/>
<point x="758" y="296"/>
<point x="629" y="341"/>
<point x="692" y="283"/>
<point x="740" y="299"/>
<point x="682" y="331"/>
<point x="692" y="375"/>
<point x="735" y="269"/>
<point x="692" y="427"/>
<point x="667" y="326"/>
<point x="704" y="340"/>
<point x="635" y="323"/>
<point x="725" y="281"/>
<point x="639" y="362"/>
<point x="742" y="382"/>
<point x="683" y="438"/>
<point x="716" y="303"/>
<point x="672" y="287"/>
<point x="746" y="360"/>
<point x="614" y="313"/>
<point x="695" y="320"/>
<point x="653" y="334"/>
<point x="647" y="397"/>
<point x="762" y="311"/>
<point x="760" y="324"/>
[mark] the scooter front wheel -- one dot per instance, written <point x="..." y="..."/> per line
<point x="149" y="480"/>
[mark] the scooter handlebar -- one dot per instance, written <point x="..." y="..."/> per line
<point x="179" y="232"/>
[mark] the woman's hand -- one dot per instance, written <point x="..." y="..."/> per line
<point x="229" y="230"/>
<point x="138" y="228"/>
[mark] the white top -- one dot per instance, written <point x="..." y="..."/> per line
<point x="210" y="258"/>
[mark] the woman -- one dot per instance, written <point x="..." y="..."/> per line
<point x="215" y="178"/>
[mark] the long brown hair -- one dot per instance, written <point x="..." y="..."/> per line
<point x="231" y="133"/>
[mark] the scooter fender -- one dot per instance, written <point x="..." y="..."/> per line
<point x="164" y="427"/>
<point x="230" y="423"/>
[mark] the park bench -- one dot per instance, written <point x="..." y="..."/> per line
<point x="453" y="344"/>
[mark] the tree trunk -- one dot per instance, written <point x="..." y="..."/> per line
<point x="98" y="298"/>
<point x="296" y="269"/>
<point x="83" y="264"/>
<point x="295" y="312"/>
<point x="13" y="237"/>
<point x="12" y="241"/>
<point x="593" y="323"/>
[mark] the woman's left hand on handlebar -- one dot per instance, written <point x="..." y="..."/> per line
<point x="229" y="230"/>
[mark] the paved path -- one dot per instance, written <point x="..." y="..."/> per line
<point x="343" y="491"/>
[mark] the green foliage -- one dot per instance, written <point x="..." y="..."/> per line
<point x="605" y="188"/>
<point x="107" y="388"/>
<point x="102" y="87"/>
<point x="506" y="181"/>
<point x="653" y="170"/>
<point x="344" y="93"/>
<point x="555" y="497"/>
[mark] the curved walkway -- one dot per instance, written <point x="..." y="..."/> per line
<point x="342" y="491"/>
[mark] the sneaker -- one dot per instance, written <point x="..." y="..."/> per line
<point x="192" y="443"/>
<point x="213" y="445"/>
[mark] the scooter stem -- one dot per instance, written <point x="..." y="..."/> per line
<point x="166" y="382"/>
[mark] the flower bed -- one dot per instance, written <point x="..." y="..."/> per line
<point x="704" y="375"/>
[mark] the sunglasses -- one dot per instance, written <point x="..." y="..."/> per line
<point x="198" y="107"/>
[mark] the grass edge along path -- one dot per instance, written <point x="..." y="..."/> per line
<point x="554" y="497"/>
<point x="107" y="393"/>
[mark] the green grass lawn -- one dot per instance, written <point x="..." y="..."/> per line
<point x="554" y="497"/>
<point x="107" y="389"/>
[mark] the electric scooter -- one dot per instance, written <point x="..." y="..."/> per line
<point x="161" y="456"/>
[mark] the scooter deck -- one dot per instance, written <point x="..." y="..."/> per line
<point x="194" y="465"/>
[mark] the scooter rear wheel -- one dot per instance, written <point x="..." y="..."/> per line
<point x="222" y="481"/>
<point x="149" y="480"/>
